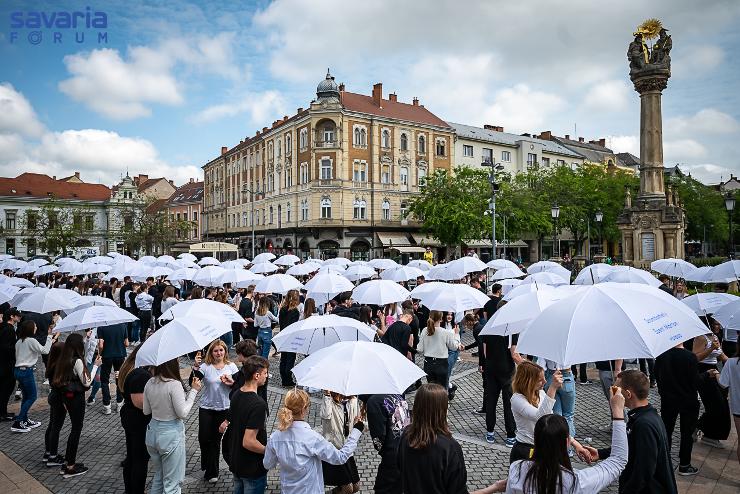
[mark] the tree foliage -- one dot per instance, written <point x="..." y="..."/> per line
<point x="57" y="227"/>
<point x="146" y="227"/>
<point x="705" y="210"/>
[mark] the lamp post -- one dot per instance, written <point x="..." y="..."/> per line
<point x="555" y="213"/>
<point x="492" y="204"/>
<point x="247" y="192"/>
<point x="730" y="206"/>
<point x="599" y="219"/>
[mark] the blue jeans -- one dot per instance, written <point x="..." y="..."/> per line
<point x="27" y="383"/>
<point x="135" y="330"/>
<point x="228" y="338"/>
<point x="451" y="361"/>
<point x="264" y="340"/>
<point x="165" y="442"/>
<point x="565" y="398"/>
<point x="95" y="383"/>
<point x="244" y="485"/>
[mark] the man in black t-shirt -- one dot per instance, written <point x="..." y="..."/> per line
<point x="244" y="446"/>
<point x="492" y="305"/>
<point x="112" y="343"/>
<point x="498" y="365"/>
<point x="387" y="417"/>
<point x="399" y="334"/>
<point x="134" y="424"/>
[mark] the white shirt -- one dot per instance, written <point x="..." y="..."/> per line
<point x="586" y="481"/>
<point x="438" y="344"/>
<point x="526" y="415"/>
<point x="166" y="400"/>
<point x="300" y="451"/>
<point x="27" y="351"/>
<point x="215" y="393"/>
<point x="730" y="378"/>
<point x="168" y="303"/>
<point x="144" y="301"/>
<point x="91" y="344"/>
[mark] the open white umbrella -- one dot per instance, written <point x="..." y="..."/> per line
<point x="506" y="273"/>
<point x="545" y="278"/>
<point x="459" y="268"/>
<point x="27" y="269"/>
<point x="449" y="297"/>
<point x="158" y="271"/>
<point x="231" y="265"/>
<point x="69" y="266"/>
<point x="516" y="315"/>
<point x="37" y="263"/>
<point x="317" y="332"/>
<point x="20" y="282"/>
<point x="549" y="267"/>
<point x="523" y="289"/>
<point x="150" y="260"/>
<point x="501" y="264"/>
<point x="338" y="261"/>
<point x="437" y="272"/>
<point x="179" y="337"/>
<point x="382" y="263"/>
<point x="6" y="256"/>
<point x="263" y="267"/>
<point x="166" y="259"/>
<point x="302" y="269"/>
<point x="99" y="260"/>
<point x="593" y="273"/>
<point x="50" y="300"/>
<point x="277" y="283"/>
<point x="344" y="368"/>
<point x="610" y="321"/>
<point x="329" y="283"/>
<point x="626" y="274"/>
<point x="401" y="273"/>
<point x="12" y="264"/>
<point x="701" y="275"/>
<point x="209" y="276"/>
<point x="182" y="274"/>
<point x="672" y="267"/>
<point x="49" y="268"/>
<point x="729" y="315"/>
<point x="186" y="263"/>
<point x="240" y="278"/>
<point x="92" y="300"/>
<point x="380" y="292"/>
<point x="708" y="303"/>
<point x="7" y="292"/>
<point x="209" y="261"/>
<point x="202" y="308"/>
<point x="264" y="257"/>
<point x="287" y="260"/>
<point x="420" y="264"/>
<point x="188" y="256"/>
<point x="359" y="272"/>
<point x="94" y="317"/>
<point x="728" y="269"/>
<point x="332" y="268"/>
<point x="508" y="284"/>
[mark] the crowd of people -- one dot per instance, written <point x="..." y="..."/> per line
<point x="416" y="449"/>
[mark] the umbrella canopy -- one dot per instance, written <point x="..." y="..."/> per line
<point x="21" y="282"/>
<point x="700" y="275"/>
<point x="92" y="300"/>
<point x="383" y="263"/>
<point x="436" y="273"/>
<point x="343" y="368"/>
<point x="7" y="292"/>
<point x="287" y="260"/>
<point x="672" y="267"/>
<point x="459" y="268"/>
<point x="12" y="264"/>
<point x="69" y="266"/>
<point x="209" y="276"/>
<point x="610" y="321"/>
<point x="182" y="274"/>
<point x="188" y="256"/>
<point x="523" y="289"/>
<point x="166" y="258"/>
<point x="94" y="317"/>
<point x="264" y="257"/>
<point x="202" y="308"/>
<point x="99" y="260"/>
<point x="239" y="278"/>
<point x="26" y="292"/>
<point x="49" y="268"/>
<point x="401" y="273"/>
<point x="728" y="315"/>
<point x="186" y="263"/>
<point x="329" y="283"/>
<point x="508" y="284"/>
<point x="501" y="264"/>
<point x="708" y="303"/>
<point x="338" y="261"/>
<point x="545" y="278"/>
<point x="38" y="262"/>
<point x="549" y="267"/>
<point x="231" y="265"/>
<point x="158" y="271"/>
<point x="50" y="300"/>
<point x="27" y="269"/>
<point x="515" y="316"/>
<point x="626" y="274"/>
<point x="209" y="261"/>
<point x="379" y="292"/>
<point x="179" y="337"/>
<point x="506" y="273"/>
<point x="317" y="332"/>
<point x="449" y="297"/>
<point x="302" y="269"/>
<point x="420" y="264"/>
<point x="263" y="267"/>
<point x="151" y="260"/>
<point x="332" y="268"/>
<point x="359" y="272"/>
<point x="277" y="283"/>
<point x="728" y="269"/>
<point x="594" y="273"/>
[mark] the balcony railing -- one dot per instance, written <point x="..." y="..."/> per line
<point x="333" y="143"/>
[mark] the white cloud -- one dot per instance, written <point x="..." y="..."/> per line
<point x="624" y="144"/>
<point x="697" y="60"/>
<point x="706" y="121"/>
<point x="607" y="96"/>
<point x="16" y="113"/>
<point x="681" y="150"/>
<point x="261" y="107"/>
<point x="708" y="173"/>
<point x="521" y="109"/>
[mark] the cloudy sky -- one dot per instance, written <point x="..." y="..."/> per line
<point x="178" y="79"/>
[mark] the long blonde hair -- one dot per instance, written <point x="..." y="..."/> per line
<point x="209" y="354"/>
<point x="527" y="380"/>
<point x="295" y="404"/>
<point x="263" y="306"/>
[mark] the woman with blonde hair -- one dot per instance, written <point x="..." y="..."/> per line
<point x="214" y="405"/>
<point x="337" y="412"/>
<point x="288" y="315"/>
<point x="300" y="450"/>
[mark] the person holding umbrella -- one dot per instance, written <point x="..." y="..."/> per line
<point x="11" y="317"/>
<point x="435" y="344"/>
<point x="263" y="320"/>
<point x="336" y="413"/>
<point x="287" y="315"/>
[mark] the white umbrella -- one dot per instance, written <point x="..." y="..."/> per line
<point x="99" y="260"/>
<point x="315" y="261"/>
<point x="302" y="269"/>
<point x="209" y="261"/>
<point x="329" y="283"/>
<point x="545" y="278"/>
<point x="707" y="303"/>
<point x="506" y="273"/>
<point x="186" y="263"/>
<point x="508" y="284"/>
<point x="728" y="269"/>
<point x="450" y="297"/>
<point x="501" y="264"/>
<point x="202" y="308"/>
<point x="21" y="282"/>
<point x="188" y="256"/>
<point x="523" y="289"/>
<point x="610" y="321"/>
<point x="27" y="269"/>
<point x="344" y="368"/>
<point x="49" y="268"/>
<point x="37" y="263"/>
<point x="420" y="264"/>
<point x="92" y="300"/>
<point x="231" y="265"/>
<point x="359" y="272"/>
<point x="7" y="292"/>
<point x="317" y="332"/>
<point x="700" y="275"/>
<point x="729" y="315"/>
<point x="338" y="261"/>
<point x="5" y="256"/>
<point x="242" y="262"/>
<point x="94" y="317"/>
<point x="69" y="266"/>
<point x="238" y="276"/>
<point x="332" y="268"/>
<point x="209" y="276"/>
<point x="382" y="263"/>
<point x="182" y="274"/>
<point x="277" y="283"/>
<point x="63" y="260"/>
<point x="672" y="267"/>
<point x="593" y="273"/>
<point x="158" y="271"/>
<point x="516" y="315"/>
<point x="50" y="300"/>
<point x="13" y="264"/>
<point x="264" y="257"/>
<point x="549" y="267"/>
<point x="179" y="337"/>
<point x="263" y="267"/>
<point x="459" y="268"/>
<point x="625" y="274"/>
<point x="401" y="273"/>
<point x="437" y="272"/>
<point x="151" y="260"/>
<point x="380" y="292"/>
<point x="166" y="259"/>
<point x="287" y="260"/>
<point x="248" y="280"/>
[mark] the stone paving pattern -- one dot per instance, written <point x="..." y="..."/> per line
<point x="102" y="445"/>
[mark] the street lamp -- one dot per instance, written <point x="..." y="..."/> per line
<point x="730" y="206"/>
<point x="599" y="219"/>
<point x="247" y="192"/>
<point x="555" y="213"/>
<point x="488" y="162"/>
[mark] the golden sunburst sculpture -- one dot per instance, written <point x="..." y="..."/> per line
<point x="649" y="29"/>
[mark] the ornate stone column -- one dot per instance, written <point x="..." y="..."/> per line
<point x="650" y="84"/>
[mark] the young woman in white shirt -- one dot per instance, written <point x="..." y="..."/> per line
<point x="300" y="450"/>
<point x="169" y="405"/>
<point x="435" y="343"/>
<point x="214" y="405"/>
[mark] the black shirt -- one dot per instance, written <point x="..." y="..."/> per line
<point x="239" y="380"/>
<point x="286" y="317"/>
<point x="247" y="411"/>
<point x="7" y="348"/>
<point x="113" y="340"/>
<point x="397" y="336"/>
<point x="677" y="373"/>
<point x="437" y="469"/>
<point x="498" y="361"/>
<point x="133" y="418"/>
<point x="491" y="306"/>
<point x="343" y="311"/>
<point x="387" y="417"/>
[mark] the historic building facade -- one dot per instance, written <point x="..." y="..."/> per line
<point x="333" y="179"/>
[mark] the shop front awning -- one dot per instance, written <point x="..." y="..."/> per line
<point x="393" y="240"/>
<point x="409" y="250"/>
<point x="426" y="241"/>
<point x="486" y="244"/>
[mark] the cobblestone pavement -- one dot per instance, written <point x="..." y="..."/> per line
<point x="102" y="443"/>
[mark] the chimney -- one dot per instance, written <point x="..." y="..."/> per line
<point x="54" y="177"/>
<point x="77" y="174"/>
<point x="567" y="137"/>
<point x="172" y="183"/>
<point x="341" y="87"/>
<point x="285" y="118"/>
<point x="192" y="180"/>
<point x="546" y="135"/>
<point x="495" y="128"/>
<point x="223" y="150"/>
<point x="602" y="142"/>
<point x="299" y="110"/>
<point x="415" y="101"/>
<point x="378" y="94"/>
<point x="264" y="129"/>
<point x="393" y="97"/>
<point x="580" y="139"/>
<point x="144" y="178"/>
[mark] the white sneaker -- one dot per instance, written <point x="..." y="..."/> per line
<point x="213" y="480"/>
<point x="46" y="382"/>
<point x="106" y="409"/>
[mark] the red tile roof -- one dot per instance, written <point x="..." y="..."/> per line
<point x="156" y="206"/>
<point x="39" y="185"/>
<point x="390" y="109"/>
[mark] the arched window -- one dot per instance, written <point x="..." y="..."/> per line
<point x="441" y="147"/>
<point x="386" y="210"/>
<point x="271" y="216"/>
<point x="404" y="142"/>
<point x="280" y="146"/>
<point x="422" y="144"/>
<point x="385" y="174"/>
<point x="358" y="141"/>
<point x="326" y="208"/>
<point x="421" y="175"/>
<point x="304" y="210"/>
<point x="287" y="144"/>
<point x="404" y="177"/>
<point x="363" y="137"/>
<point x="287" y="212"/>
<point x="386" y="139"/>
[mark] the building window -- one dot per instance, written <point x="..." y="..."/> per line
<point x="195" y="216"/>
<point x="404" y="210"/>
<point x="363" y="137"/>
<point x="386" y="210"/>
<point x="326" y="208"/>
<point x="561" y="162"/>
<point x="386" y="139"/>
<point x="280" y="146"/>
<point x="422" y="144"/>
<point x="304" y="173"/>
<point x="359" y="171"/>
<point x="31" y="247"/>
<point x="77" y="222"/>
<point x="506" y="156"/>
<point x="287" y="212"/>
<point x="329" y="133"/>
<point x="10" y="246"/>
<point x="89" y="223"/>
<point x="531" y="159"/>
<point x="421" y="175"/>
<point x="32" y="220"/>
<point x="360" y="136"/>
<point x="272" y="218"/>
<point x="467" y="151"/>
<point x="573" y="165"/>
<point x="326" y="169"/>
<point x="404" y="142"/>
<point x="487" y="155"/>
<point x="288" y="177"/>
<point x="359" y="209"/>
<point x="287" y="145"/>
<point x="385" y="174"/>
<point x="545" y="162"/>
<point x="304" y="210"/>
<point x="303" y="138"/>
<point x="404" y="175"/>
<point x="441" y="147"/>
<point x="10" y="221"/>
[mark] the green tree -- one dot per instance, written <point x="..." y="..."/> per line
<point x="57" y="227"/>
<point x="147" y="228"/>
<point x="705" y="210"/>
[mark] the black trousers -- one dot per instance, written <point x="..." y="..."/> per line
<point x="388" y="479"/>
<point x="650" y="366"/>
<point x="74" y="404"/>
<point x="729" y="348"/>
<point x="105" y="372"/>
<point x="287" y="362"/>
<point x="137" y="459"/>
<point x="51" y="399"/>
<point x="579" y="372"/>
<point x="715" y="421"/>
<point x="7" y="384"/>
<point x="210" y="440"/>
<point x="498" y="386"/>
<point x="145" y="316"/>
<point x="520" y="451"/>
<point x="689" y="413"/>
<point x="436" y="369"/>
